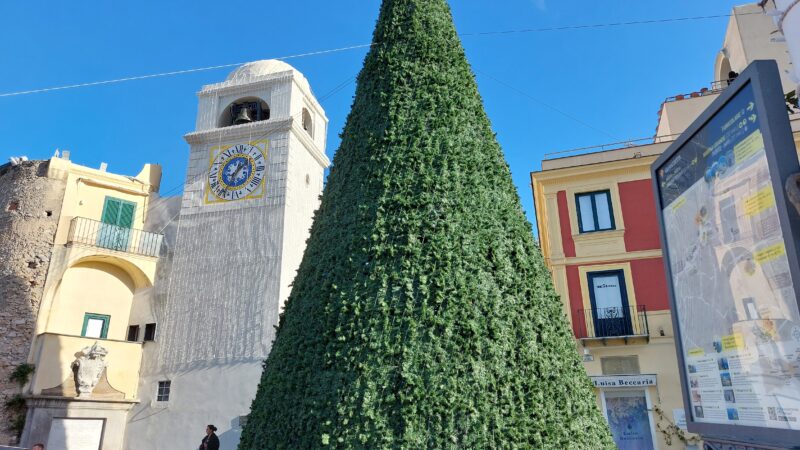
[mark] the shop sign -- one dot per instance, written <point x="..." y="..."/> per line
<point x="623" y="381"/>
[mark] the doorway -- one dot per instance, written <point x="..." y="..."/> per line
<point x="611" y="314"/>
<point x="629" y="418"/>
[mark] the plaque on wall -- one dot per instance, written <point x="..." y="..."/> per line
<point x="75" y="434"/>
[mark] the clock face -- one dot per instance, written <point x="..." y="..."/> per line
<point x="236" y="172"/>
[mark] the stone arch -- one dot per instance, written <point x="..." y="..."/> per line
<point x="132" y="276"/>
<point x="92" y="286"/>
<point x="308" y="122"/>
<point x="722" y="68"/>
<point x="139" y="278"/>
<point x="257" y="108"/>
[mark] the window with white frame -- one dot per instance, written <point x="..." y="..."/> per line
<point x="594" y="211"/>
<point x="95" y="325"/>
<point x="162" y="395"/>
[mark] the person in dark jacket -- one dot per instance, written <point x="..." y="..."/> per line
<point x="211" y="441"/>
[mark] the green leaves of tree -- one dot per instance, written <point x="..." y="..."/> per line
<point x="422" y="315"/>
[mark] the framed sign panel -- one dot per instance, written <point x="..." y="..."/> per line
<point x="76" y="434"/>
<point x="730" y="244"/>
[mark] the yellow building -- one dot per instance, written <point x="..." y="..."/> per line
<point x="598" y="230"/>
<point x="87" y="275"/>
<point x="85" y="353"/>
<point x="599" y="235"/>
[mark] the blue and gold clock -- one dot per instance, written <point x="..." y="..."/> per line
<point x="236" y="172"/>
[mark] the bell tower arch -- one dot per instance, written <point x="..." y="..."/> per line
<point x="242" y="111"/>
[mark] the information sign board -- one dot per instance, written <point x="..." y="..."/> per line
<point x="730" y="249"/>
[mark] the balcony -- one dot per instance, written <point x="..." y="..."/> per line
<point x="715" y="88"/>
<point x="83" y="231"/>
<point x="610" y="325"/>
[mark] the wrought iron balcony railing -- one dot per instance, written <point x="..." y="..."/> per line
<point x="600" y="323"/>
<point x="112" y="237"/>
<point x="716" y="87"/>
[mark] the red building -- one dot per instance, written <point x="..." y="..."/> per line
<point x="599" y="234"/>
<point x="598" y="231"/>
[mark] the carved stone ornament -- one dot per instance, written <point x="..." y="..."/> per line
<point x="88" y="367"/>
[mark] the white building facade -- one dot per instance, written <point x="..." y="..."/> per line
<point x="753" y="34"/>
<point x="255" y="174"/>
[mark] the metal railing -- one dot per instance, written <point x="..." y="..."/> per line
<point x="112" y="237"/>
<point x="716" y="87"/>
<point x="601" y="323"/>
<point x="719" y="85"/>
<point x="631" y="143"/>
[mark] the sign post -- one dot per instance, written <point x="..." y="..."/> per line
<point x="731" y="257"/>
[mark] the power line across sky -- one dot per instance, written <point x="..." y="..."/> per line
<point x="116" y="83"/>
<point x="362" y="46"/>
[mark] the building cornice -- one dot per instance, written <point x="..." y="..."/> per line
<point x="239" y="87"/>
<point x="247" y="130"/>
<point x="63" y="169"/>
<point x="258" y="130"/>
<point x="593" y="169"/>
<point x="236" y="87"/>
<point x="75" y="403"/>
<point x="606" y="259"/>
<point x="144" y="191"/>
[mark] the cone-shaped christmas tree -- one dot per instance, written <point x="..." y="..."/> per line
<point x="422" y="315"/>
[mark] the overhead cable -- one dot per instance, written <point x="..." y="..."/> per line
<point x="359" y="46"/>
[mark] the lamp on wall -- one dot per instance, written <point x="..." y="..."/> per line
<point x="587" y="355"/>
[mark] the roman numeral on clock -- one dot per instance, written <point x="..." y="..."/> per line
<point x="236" y="172"/>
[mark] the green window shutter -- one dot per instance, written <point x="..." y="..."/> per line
<point x="111" y="210"/>
<point x="118" y="212"/>
<point x="126" y="215"/>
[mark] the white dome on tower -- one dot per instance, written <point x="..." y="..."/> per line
<point x="265" y="67"/>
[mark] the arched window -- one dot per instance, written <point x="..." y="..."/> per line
<point x="308" y="124"/>
<point x="245" y="110"/>
<point x="724" y="71"/>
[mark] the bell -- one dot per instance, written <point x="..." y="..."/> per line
<point x="243" y="116"/>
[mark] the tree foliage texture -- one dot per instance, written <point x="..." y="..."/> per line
<point x="422" y="315"/>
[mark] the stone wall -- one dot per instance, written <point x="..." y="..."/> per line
<point x="30" y="204"/>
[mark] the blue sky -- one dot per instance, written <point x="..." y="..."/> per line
<point x="612" y="79"/>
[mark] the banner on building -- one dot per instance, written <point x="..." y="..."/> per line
<point x="623" y="381"/>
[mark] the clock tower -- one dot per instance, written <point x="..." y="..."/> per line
<point x="254" y="178"/>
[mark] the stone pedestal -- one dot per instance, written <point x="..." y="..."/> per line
<point x="84" y="418"/>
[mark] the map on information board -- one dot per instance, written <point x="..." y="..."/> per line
<point x="735" y="299"/>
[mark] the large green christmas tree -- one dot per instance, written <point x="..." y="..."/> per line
<point x="422" y="315"/>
